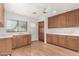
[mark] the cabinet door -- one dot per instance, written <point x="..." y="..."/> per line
<point x="22" y="40"/>
<point x="61" y="20"/>
<point x="24" y="37"/>
<point x="1" y="14"/>
<point x="5" y="46"/>
<point x="58" y="21"/>
<point x="19" y="41"/>
<point x="71" y="21"/>
<point x="55" y="39"/>
<point x="28" y="39"/>
<point x="72" y="43"/>
<point x="77" y="18"/>
<point x="49" y="38"/>
<point x="62" y="40"/>
<point x="52" y="39"/>
<point x="14" y="42"/>
<point x="52" y="22"/>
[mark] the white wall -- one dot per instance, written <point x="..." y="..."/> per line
<point x="34" y="30"/>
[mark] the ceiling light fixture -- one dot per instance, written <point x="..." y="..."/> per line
<point x="44" y="11"/>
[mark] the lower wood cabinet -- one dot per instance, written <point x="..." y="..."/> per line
<point x="70" y="42"/>
<point x="55" y="39"/>
<point x="28" y="39"/>
<point x="49" y="38"/>
<point x="21" y="40"/>
<point x="5" y="46"/>
<point x="61" y="40"/>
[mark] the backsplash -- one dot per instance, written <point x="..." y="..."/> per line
<point x="72" y="30"/>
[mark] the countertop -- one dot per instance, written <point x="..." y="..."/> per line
<point x="9" y="35"/>
<point x="5" y="35"/>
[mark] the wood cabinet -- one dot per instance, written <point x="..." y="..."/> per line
<point x="71" y="19"/>
<point x="62" y="40"/>
<point x="53" y="39"/>
<point x="58" y="21"/>
<point x="1" y="14"/>
<point x="28" y="39"/>
<point x="14" y="42"/>
<point x="49" y="38"/>
<point x="68" y="19"/>
<point x="52" y="21"/>
<point x="5" y="46"/>
<point x="62" y="20"/>
<point x="21" y="40"/>
<point x="77" y="17"/>
<point x="70" y="42"/>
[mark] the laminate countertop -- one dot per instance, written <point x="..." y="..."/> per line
<point x="5" y="35"/>
<point x="9" y="35"/>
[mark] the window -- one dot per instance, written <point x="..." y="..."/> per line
<point x="16" y="26"/>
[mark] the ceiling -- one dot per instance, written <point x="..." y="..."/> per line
<point x="52" y="9"/>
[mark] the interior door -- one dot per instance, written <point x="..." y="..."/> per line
<point x="41" y="30"/>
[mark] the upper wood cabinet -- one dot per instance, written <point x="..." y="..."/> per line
<point x="1" y="14"/>
<point x="52" y="21"/>
<point x="68" y="19"/>
<point x="71" y="20"/>
<point x="77" y="17"/>
<point x="61" y="21"/>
